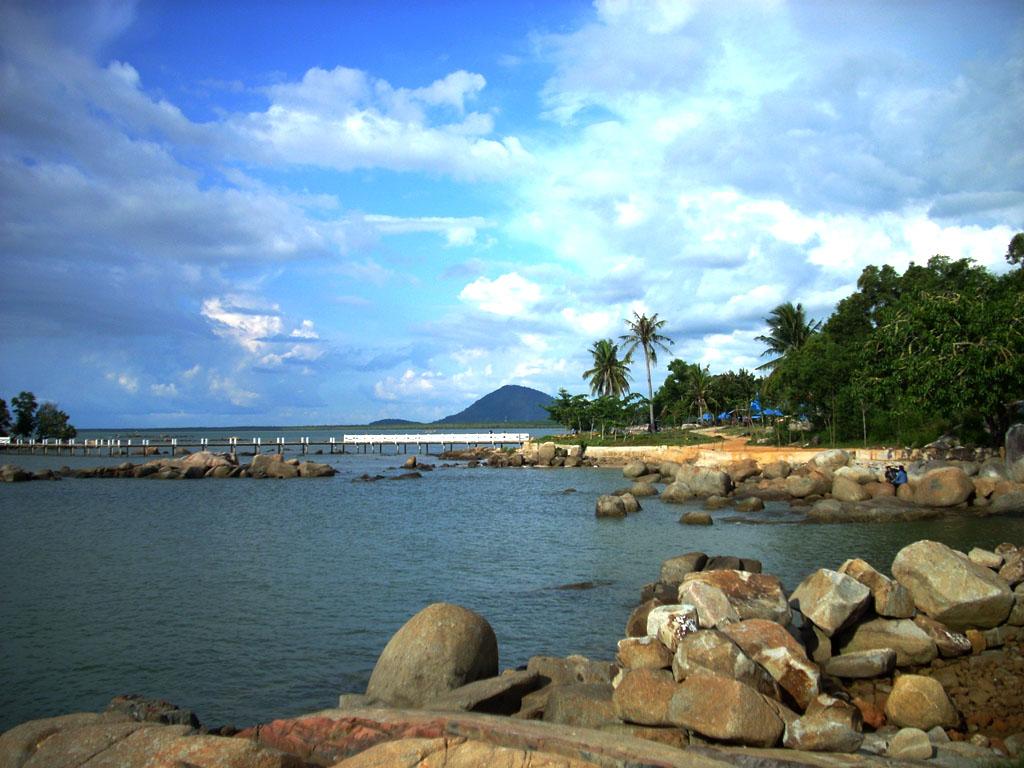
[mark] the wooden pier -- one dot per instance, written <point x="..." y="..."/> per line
<point x="344" y="444"/>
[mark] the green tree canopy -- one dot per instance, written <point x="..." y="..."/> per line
<point x="51" y="422"/>
<point x="788" y="330"/>
<point x="610" y="375"/>
<point x="5" y="419"/>
<point x="24" y="414"/>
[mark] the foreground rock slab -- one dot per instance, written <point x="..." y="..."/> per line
<point x="331" y="737"/>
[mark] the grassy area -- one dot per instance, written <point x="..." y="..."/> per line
<point x="668" y="437"/>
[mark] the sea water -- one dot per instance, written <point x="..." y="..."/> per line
<point x="249" y="600"/>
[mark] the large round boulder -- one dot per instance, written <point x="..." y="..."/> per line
<point x="634" y="470"/>
<point x="812" y="483"/>
<point x="917" y="701"/>
<point x="439" y="649"/>
<point x="943" y="487"/>
<point x="947" y="586"/>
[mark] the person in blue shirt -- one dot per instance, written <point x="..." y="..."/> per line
<point x="900" y="478"/>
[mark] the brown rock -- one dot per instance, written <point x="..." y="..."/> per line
<point x="943" y="487"/>
<point x="830" y="599"/>
<point x="753" y="595"/>
<point x="950" y="588"/>
<point x="723" y="709"/>
<point x="891" y="599"/>
<point x="911" y="643"/>
<point x="643" y="653"/>
<point x="847" y="489"/>
<point x="713" y="607"/>
<point x="571" y="669"/>
<point x="636" y="625"/>
<point x="441" y="648"/>
<point x="586" y="705"/>
<point x="948" y="642"/>
<point x="917" y="701"/>
<point x="455" y="752"/>
<point x="711" y="651"/>
<point x="675" y="569"/>
<point x="770" y="645"/>
<point x="501" y="695"/>
<point x="643" y="696"/>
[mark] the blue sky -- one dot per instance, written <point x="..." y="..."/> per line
<point x="313" y="212"/>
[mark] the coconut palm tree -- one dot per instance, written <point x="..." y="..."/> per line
<point x="788" y="329"/>
<point x="610" y="375"/>
<point x="700" y="383"/>
<point x="643" y="333"/>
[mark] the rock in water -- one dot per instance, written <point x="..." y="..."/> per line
<point x="950" y="588"/>
<point x="439" y="649"/>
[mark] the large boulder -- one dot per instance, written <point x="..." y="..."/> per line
<point x="441" y="648"/>
<point x="610" y="506"/>
<point x="807" y="484"/>
<point x="711" y="651"/>
<point x="643" y="696"/>
<point x="702" y="481"/>
<point x="848" y="489"/>
<point x="720" y="708"/>
<point x="830" y="599"/>
<point x="671" y="623"/>
<point x="585" y="705"/>
<point x="634" y="470"/>
<point x="643" y="653"/>
<point x="912" y="645"/>
<point x="943" y="487"/>
<point x="675" y="569"/>
<point x="947" y="586"/>
<point x="776" y="470"/>
<point x="917" y="701"/>
<point x="753" y="595"/>
<point x="713" y="607"/>
<point x="770" y="645"/>
<point x="891" y="599"/>
<point x="271" y="465"/>
<point x="829" y="461"/>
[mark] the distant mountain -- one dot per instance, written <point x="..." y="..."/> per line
<point x="395" y="423"/>
<point x="510" y="403"/>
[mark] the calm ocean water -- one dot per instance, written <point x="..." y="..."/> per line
<point x="248" y="600"/>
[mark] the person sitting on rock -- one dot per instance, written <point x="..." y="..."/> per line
<point x="890" y="475"/>
<point x="900" y="477"/>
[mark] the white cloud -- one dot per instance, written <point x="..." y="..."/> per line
<point x="229" y="388"/>
<point x="126" y="381"/>
<point x="509" y="295"/>
<point x="411" y="385"/>
<point x="345" y="119"/>
<point x="456" y="231"/>
<point x="164" y="390"/>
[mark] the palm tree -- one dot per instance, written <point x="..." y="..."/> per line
<point x="609" y="376"/>
<point x="700" y="382"/>
<point x="788" y="329"/>
<point x="643" y="332"/>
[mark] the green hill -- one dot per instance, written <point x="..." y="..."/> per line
<point x="509" y="404"/>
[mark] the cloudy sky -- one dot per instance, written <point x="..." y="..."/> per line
<point x="308" y="212"/>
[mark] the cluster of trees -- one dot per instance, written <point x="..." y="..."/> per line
<point x="690" y="391"/>
<point x="907" y="357"/>
<point x="613" y="406"/>
<point x="33" y="420"/>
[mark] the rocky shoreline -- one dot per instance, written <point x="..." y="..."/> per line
<point x="718" y="666"/>
<point x="831" y="486"/>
